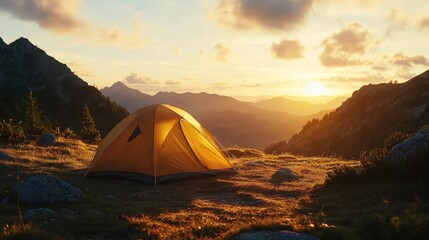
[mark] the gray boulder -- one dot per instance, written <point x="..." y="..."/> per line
<point x="271" y="235"/>
<point x="404" y="150"/>
<point x="284" y="175"/>
<point x="95" y="213"/>
<point x="39" y="212"/>
<point x="46" y="139"/>
<point x="4" y="156"/>
<point x="46" y="189"/>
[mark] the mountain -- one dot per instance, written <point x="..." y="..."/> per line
<point x="233" y="122"/>
<point x="297" y="107"/>
<point x="60" y="93"/>
<point x="362" y="122"/>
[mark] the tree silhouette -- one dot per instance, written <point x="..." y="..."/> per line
<point x="33" y="124"/>
<point x="89" y="131"/>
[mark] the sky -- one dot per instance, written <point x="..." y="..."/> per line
<point x="228" y="47"/>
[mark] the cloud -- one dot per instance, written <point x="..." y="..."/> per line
<point x="266" y="14"/>
<point x="362" y="77"/>
<point x="133" y="38"/>
<point x="136" y="79"/>
<point x="60" y="16"/>
<point x="398" y="20"/>
<point x="346" y="47"/>
<point x="287" y="49"/>
<point x="405" y="61"/>
<point x="222" y="52"/>
<point x="80" y="70"/>
<point x="424" y="23"/>
<point x="169" y="82"/>
<point x="52" y="15"/>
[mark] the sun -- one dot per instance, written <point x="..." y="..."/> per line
<point x="316" y="88"/>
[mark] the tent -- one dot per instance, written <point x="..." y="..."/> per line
<point x="158" y="143"/>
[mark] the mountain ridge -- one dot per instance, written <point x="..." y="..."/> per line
<point x="60" y="93"/>
<point x="364" y="120"/>
<point x="232" y="121"/>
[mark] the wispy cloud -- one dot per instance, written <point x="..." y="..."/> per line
<point x="401" y="59"/>
<point x="61" y="16"/>
<point x="222" y="53"/>
<point x="134" y="78"/>
<point x="287" y="49"/>
<point x="53" y="15"/>
<point x="266" y="14"/>
<point x="346" y="47"/>
<point x="170" y="82"/>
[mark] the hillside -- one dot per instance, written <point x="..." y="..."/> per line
<point x="365" y="120"/>
<point x="233" y="122"/>
<point x="208" y="208"/>
<point x="60" y="93"/>
<point x="298" y="107"/>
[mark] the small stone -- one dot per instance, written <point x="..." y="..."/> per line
<point x="47" y="139"/>
<point x="95" y="213"/>
<point x="38" y="212"/>
<point x="284" y="175"/>
<point x="109" y="197"/>
<point x="68" y="212"/>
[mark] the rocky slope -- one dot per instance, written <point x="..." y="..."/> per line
<point x="60" y="93"/>
<point x="364" y="120"/>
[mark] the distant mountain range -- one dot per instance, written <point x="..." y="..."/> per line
<point x="230" y="120"/>
<point x="298" y="107"/>
<point x="363" y="121"/>
<point x="60" y="93"/>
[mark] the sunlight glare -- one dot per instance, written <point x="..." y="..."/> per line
<point x="316" y="88"/>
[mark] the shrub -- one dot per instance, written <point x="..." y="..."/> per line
<point x="11" y="133"/>
<point x="379" y="226"/>
<point x="34" y="124"/>
<point x="89" y="132"/>
<point x="394" y="138"/>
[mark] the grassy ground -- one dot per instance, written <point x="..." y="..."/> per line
<point x="211" y="208"/>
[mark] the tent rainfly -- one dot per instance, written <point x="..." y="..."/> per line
<point x="158" y="143"/>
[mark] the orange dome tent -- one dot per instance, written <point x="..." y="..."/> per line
<point x="158" y="143"/>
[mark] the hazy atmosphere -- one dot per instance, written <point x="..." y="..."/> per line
<point x="214" y="119"/>
<point x="236" y="47"/>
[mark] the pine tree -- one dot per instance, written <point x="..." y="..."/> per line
<point x="33" y="124"/>
<point x="89" y="131"/>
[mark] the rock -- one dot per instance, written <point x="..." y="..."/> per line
<point x="284" y="175"/>
<point x="95" y="213"/>
<point x="4" y="156"/>
<point x="46" y="189"/>
<point x="46" y="139"/>
<point x="109" y="197"/>
<point x="404" y="150"/>
<point x="38" y="212"/>
<point x="67" y="212"/>
<point x="271" y="235"/>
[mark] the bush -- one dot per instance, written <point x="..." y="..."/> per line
<point x="379" y="226"/>
<point x="89" y="131"/>
<point x="374" y="166"/>
<point x="11" y="133"/>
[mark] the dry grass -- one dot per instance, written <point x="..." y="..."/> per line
<point x="211" y="208"/>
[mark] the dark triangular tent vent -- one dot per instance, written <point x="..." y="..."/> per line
<point x="135" y="133"/>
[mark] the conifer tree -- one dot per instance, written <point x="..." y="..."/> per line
<point x="33" y="123"/>
<point x="89" y="131"/>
